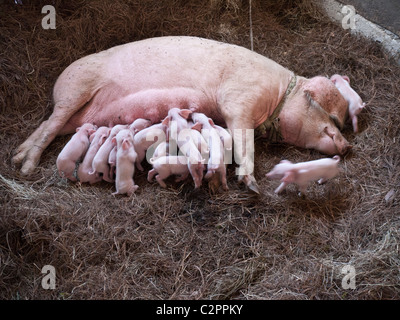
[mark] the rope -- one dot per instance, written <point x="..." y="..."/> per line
<point x="251" y="28"/>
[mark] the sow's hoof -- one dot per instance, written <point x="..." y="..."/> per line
<point x="253" y="186"/>
<point x="250" y="182"/>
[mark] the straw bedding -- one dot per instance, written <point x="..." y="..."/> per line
<point x="184" y="244"/>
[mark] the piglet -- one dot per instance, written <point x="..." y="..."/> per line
<point x="138" y="125"/>
<point x="196" y="136"/>
<point x="146" y="138"/>
<point x="135" y="127"/>
<point x="100" y="161"/>
<point x="112" y="162"/>
<point x="85" y="169"/>
<point x="126" y="157"/>
<point x="165" y="166"/>
<point x="176" y="121"/>
<point x="179" y="133"/>
<point x="303" y="172"/>
<point x="216" y="163"/>
<point x="355" y="103"/>
<point x="161" y="151"/>
<point x="227" y="142"/>
<point x="74" y="151"/>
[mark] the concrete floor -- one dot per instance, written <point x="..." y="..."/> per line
<point x="378" y="20"/>
<point x="385" y="13"/>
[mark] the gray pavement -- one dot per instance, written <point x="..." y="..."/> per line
<point x="385" y="13"/>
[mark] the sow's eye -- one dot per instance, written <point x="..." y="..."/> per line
<point x="335" y="121"/>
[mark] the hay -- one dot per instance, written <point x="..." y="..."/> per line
<point x="177" y="243"/>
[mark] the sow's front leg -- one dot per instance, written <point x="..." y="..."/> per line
<point x="242" y="130"/>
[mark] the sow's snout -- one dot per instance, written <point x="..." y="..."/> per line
<point x="333" y="142"/>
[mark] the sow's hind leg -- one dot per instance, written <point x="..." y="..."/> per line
<point x="29" y="152"/>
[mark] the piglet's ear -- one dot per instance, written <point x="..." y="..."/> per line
<point x="125" y="144"/>
<point x="91" y="137"/>
<point x="165" y="122"/>
<point x="114" y="141"/>
<point x="77" y="129"/>
<point x="91" y="131"/>
<point x="197" y="126"/>
<point x="346" y="78"/>
<point x="102" y="139"/>
<point x="211" y="122"/>
<point x="185" y="113"/>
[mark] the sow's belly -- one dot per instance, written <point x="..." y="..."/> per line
<point x="152" y="104"/>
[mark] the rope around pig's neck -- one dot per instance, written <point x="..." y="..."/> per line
<point x="270" y="128"/>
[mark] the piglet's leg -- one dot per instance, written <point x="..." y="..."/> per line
<point x="160" y="181"/>
<point x="224" y="181"/>
<point x="182" y="177"/>
<point x="281" y="187"/>
<point x="355" y="123"/>
<point x="303" y="189"/>
<point x="151" y="175"/>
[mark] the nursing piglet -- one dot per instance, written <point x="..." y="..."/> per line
<point x="112" y="161"/>
<point x="179" y="131"/>
<point x="126" y="157"/>
<point x="135" y="127"/>
<point x="85" y="169"/>
<point x="100" y="161"/>
<point x="146" y="138"/>
<point x="177" y="120"/>
<point x="225" y="136"/>
<point x="304" y="172"/>
<point x="355" y="103"/>
<point x="196" y="136"/>
<point x="74" y="151"/>
<point x="165" y="166"/>
<point x="161" y="151"/>
<point x="138" y="125"/>
<point x="216" y="163"/>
